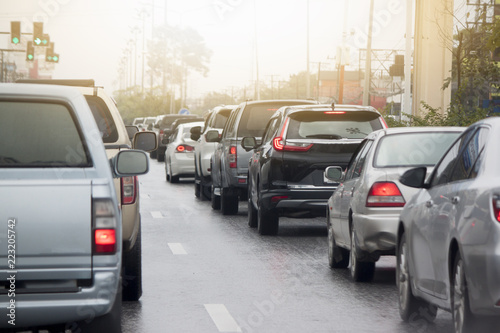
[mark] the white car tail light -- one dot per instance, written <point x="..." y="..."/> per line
<point x="129" y="189"/>
<point x="385" y="194"/>
<point x="496" y="206"/>
<point x="104" y="223"/>
<point x="184" y="149"/>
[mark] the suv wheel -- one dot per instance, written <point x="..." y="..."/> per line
<point x="132" y="271"/>
<point x="205" y="193"/>
<point x="228" y="202"/>
<point x="153" y="154"/>
<point x="197" y="184"/>
<point x="267" y="221"/>
<point x="160" y="157"/>
<point x="361" y="271"/>
<point x="215" y="200"/>
<point x="252" y="213"/>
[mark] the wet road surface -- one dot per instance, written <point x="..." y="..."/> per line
<point x="205" y="272"/>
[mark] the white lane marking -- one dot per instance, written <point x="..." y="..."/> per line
<point x="157" y="215"/>
<point x="176" y="248"/>
<point x="222" y="318"/>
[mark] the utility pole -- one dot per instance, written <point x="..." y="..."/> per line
<point x="408" y="61"/>
<point x="257" y="87"/>
<point x="368" y="66"/>
<point x="308" y="75"/>
<point x="342" y="55"/>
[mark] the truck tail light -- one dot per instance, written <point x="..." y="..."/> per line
<point x="496" y="207"/>
<point x="232" y="157"/>
<point x="129" y="190"/>
<point x="385" y="194"/>
<point x="104" y="225"/>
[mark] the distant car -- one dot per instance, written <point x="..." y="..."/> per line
<point x="448" y="248"/>
<point x="138" y="121"/>
<point x="163" y="127"/>
<point x="363" y="213"/>
<point x="229" y="163"/>
<point x="205" y="148"/>
<point x="286" y="171"/>
<point x="179" y="156"/>
<point x="147" y="124"/>
<point x="63" y="225"/>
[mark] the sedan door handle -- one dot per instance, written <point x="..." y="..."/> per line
<point x="429" y="204"/>
<point x="455" y="200"/>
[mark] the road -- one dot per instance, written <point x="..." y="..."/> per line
<point x="205" y="272"/>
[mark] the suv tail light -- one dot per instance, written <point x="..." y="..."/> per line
<point x="129" y="189"/>
<point x="104" y="223"/>
<point x="385" y="194"/>
<point x="279" y="143"/>
<point x="496" y="206"/>
<point x="232" y="157"/>
<point x="184" y="148"/>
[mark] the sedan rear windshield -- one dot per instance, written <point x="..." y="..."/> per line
<point x="413" y="149"/>
<point x="325" y="125"/>
<point x="36" y="134"/>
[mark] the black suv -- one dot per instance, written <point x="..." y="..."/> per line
<point x="230" y="162"/>
<point x="286" y="171"/>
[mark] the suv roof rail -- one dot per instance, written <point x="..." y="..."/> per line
<point x="61" y="82"/>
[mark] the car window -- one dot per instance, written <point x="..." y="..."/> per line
<point x="442" y="173"/>
<point x="360" y="164"/>
<point x="229" y="130"/>
<point x="325" y="125"/>
<point x="355" y="158"/>
<point x="467" y="164"/>
<point x="49" y="136"/>
<point x="270" y="130"/>
<point x="412" y="149"/>
<point x="103" y="119"/>
<point x="220" y="118"/>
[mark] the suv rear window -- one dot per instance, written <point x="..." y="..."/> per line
<point x="324" y="125"/>
<point x="37" y="134"/>
<point x="221" y="118"/>
<point x="255" y="117"/>
<point x="103" y="119"/>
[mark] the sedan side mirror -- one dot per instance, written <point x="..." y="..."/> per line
<point x="248" y="143"/>
<point x="145" y="141"/>
<point x="414" y="177"/>
<point x="334" y="174"/>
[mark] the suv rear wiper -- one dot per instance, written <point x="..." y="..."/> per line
<point x="8" y="160"/>
<point x="324" y="136"/>
<point x="355" y="130"/>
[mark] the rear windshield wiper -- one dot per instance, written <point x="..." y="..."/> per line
<point x="8" y="160"/>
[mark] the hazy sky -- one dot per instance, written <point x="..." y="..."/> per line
<point x="91" y="35"/>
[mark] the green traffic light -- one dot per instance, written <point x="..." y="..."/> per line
<point x="37" y="41"/>
<point x="55" y="58"/>
<point x="30" y="57"/>
<point x="15" y="40"/>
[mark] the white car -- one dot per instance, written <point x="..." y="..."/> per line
<point x="179" y="156"/>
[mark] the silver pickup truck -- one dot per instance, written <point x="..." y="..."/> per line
<point x="60" y="217"/>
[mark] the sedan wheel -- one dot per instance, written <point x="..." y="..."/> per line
<point x="462" y="317"/>
<point x="338" y="257"/>
<point x="361" y="271"/>
<point x="172" y="178"/>
<point x="410" y="307"/>
<point x="228" y="202"/>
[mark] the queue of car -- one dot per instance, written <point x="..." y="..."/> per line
<point x="428" y="195"/>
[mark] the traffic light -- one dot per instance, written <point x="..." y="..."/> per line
<point x="50" y="56"/>
<point x="30" y="52"/>
<point x="45" y="40"/>
<point x="37" y="33"/>
<point x="15" y="32"/>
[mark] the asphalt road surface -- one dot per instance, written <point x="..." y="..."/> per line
<point x="205" y="272"/>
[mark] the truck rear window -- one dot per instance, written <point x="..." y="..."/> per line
<point x="103" y="119"/>
<point x="36" y="134"/>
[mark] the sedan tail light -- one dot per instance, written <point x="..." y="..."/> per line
<point x="104" y="224"/>
<point x="129" y="190"/>
<point x="184" y="149"/>
<point x="496" y="206"/>
<point x="385" y="194"/>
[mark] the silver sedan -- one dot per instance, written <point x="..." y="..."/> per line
<point x="363" y="212"/>
<point x="449" y="235"/>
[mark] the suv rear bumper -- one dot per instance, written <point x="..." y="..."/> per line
<point x="297" y="203"/>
